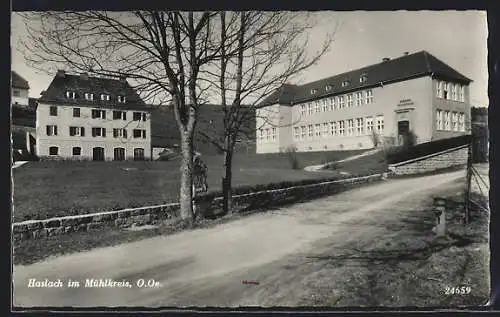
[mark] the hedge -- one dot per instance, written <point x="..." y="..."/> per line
<point x="427" y="148"/>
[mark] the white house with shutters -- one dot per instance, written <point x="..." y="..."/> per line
<point x="92" y="118"/>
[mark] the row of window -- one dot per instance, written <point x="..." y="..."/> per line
<point x="450" y="121"/>
<point x="450" y="91"/>
<point x="362" y="79"/>
<point x="101" y="114"/>
<point x="267" y="134"/>
<point x="51" y="130"/>
<point x="98" y="153"/>
<point x="350" y="127"/>
<point x="338" y="102"/>
<point x="90" y="96"/>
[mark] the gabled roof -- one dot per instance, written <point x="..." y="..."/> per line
<point x="81" y="84"/>
<point x="19" y="82"/>
<point x="402" y="68"/>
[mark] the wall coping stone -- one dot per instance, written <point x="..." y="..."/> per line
<point x="427" y="156"/>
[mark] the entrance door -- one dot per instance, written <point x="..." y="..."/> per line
<point x="98" y="154"/>
<point x="138" y="154"/>
<point x="403" y="127"/>
<point x="119" y="154"/>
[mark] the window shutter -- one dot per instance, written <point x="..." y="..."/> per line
<point x="115" y="133"/>
<point x="125" y="133"/>
<point x="71" y="131"/>
<point x="55" y="130"/>
<point x="93" y="132"/>
<point x="143" y="134"/>
<point x="104" y="114"/>
<point x="143" y="117"/>
<point x="103" y="132"/>
<point x="124" y="116"/>
<point x="82" y="131"/>
<point x="48" y="130"/>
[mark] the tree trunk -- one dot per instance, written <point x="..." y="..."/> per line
<point x="186" y="190"/>
<point x="227" y="192"/>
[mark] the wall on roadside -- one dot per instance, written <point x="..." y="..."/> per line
<point x="210" y="207"/>
<point x="441" y="160"/>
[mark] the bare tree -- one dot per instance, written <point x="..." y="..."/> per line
<point x="162" y="53"/>
<point x="259" y="52"/>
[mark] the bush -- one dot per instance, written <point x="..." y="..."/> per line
<point x="292" y="156"/>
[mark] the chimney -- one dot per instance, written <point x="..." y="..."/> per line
<point x="405" y="53"/>
<point x="60" y="73"/>
<point x="385" y="59"/>
<point x="84" y="76"/>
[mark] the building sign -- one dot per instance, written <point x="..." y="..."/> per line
<point x="405" y="102"/>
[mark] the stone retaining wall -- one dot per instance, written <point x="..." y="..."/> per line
<point x="169" y="213"/>
<point x="442" y="160"/>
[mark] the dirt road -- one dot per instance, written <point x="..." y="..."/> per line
<point x="208" y="267"/>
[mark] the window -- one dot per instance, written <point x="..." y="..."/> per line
<point x="359" y="126"/>
<point x="359" y="99"/>
<point x="325" y="129"/>
<point x="345" y="83"/>
<point x="120" y="133"/>
<point x="453" y="92"/>
<point x="70" y="95"/>
<point x="302" y="110"/>
<point x="268" y="134"/>
<point x="350" y="102"/>
<point x="454" y="121"/>
<point x="313" y="91"/>
<point x="333" y="103"/>
<point x="447" y="119"/>
<point x="117" y="115"/>
<point x="341" y="126"/>
<point x="310" y="108"/>
<point x="439" y="119"/>
<point x="303" y="132"/>
<point x="98" y="114"/>
<point x="316" y="106"/>
<point x="310" y="132"/>
<point x="261" y="134"/>
<point x="317" y="129"/>
<point x="296" y="133"/>
<point x="51" y="130"/>
<point x="138" y="116"/>
<point x="99" y="132"/>
<point x="104" y="97"/>
<point x="73" y="131"/>
<point x="341" y="102"/>
<point x="333" y="128"/>
<point x="138" y="154"/>
<point x="89" y="96"/>
<point x="119" y="154"/>
<point x="440" y="89"/>
<point x="76" y="112"/>
<point x="369" y="96"/>
<point x="369" y="125"/>
<point x="446" y="91"/>
<point x="461" y="93"/>
<point x="53" y="150"/>
<point x="363" y="78"/>
<point x="53" y="110"/>
<point x="380" y="124"/>
<point x="121" y="99"/>
<point x="328" y="87"/>
<point x="77" y="151"/>
<point x="461" y="122"/>
<point x="350" y="127"/>
<point x="138" y="133"/>
<point x="325" y="105"/>
<point x="273" y="133"/>
<point x="16" y="93"/>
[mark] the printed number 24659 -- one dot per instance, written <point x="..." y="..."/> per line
<point x="464" y="290"/>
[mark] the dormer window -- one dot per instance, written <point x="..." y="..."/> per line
<point x="363" y="78"/>
<point x="70" y="95"/>
<point x="328" y="87"/>
<point x="121" y="99"/>
<point x="345" y="83"/>
<point x="104" y="97"/>
<point x="89" y="96"/>
<point x="313" y="91"/>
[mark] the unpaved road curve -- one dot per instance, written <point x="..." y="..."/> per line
<point x="206" y="267"/>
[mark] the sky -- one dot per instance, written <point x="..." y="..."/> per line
<point x="458" y="38"/>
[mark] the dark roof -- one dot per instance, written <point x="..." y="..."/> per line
<point x="62" y="82"/>
<point x="32" y="103"/>
<point x="19" y="82"/>
<point x="23" y="116"/>
<point x="402" y="68"/>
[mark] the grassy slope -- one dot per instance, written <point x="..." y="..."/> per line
<point x="48" y="189"/>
